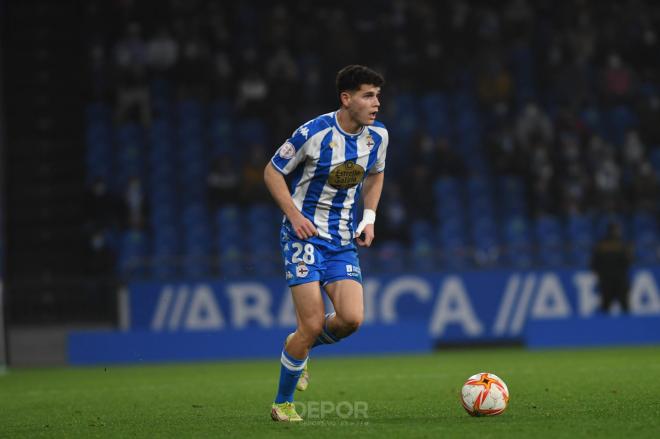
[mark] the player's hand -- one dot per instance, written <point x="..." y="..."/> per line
<point x="364" y="233"/>
<point x="366" y="237"/>
<point x="303" y="227"/>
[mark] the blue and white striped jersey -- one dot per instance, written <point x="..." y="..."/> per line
<point x="327" y="168"/>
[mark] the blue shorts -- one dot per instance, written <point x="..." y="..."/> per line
<point x="317" y="261"/>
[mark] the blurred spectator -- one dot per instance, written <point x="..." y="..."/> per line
<point x="193" y="70"/>
<point x="618" y="79"/>
<point x="570" y="80"/>
<point x="540" y="176"/>
<point x="222" y="79"/>
<point x="252" y="93"/>
<point x="506" y="156"/>
<point x="649" y="115"/>
<point x="633" y="149"/>
<point x="162" y="53"/>
<point x="645" y="188"/>
<point x="644" y="54"/>
<point x="610" y="261"/>
<point x="395" y="220"/>
<point x="608" y="185"/>
<point x="574" y="189"/>
<point x="100" y="268"/>
<point x="494" y="83"/>
<point x="419" y="181"/>
<point x="223" y="184"/>
<point x="533" y="125"/>
<point x="101" y="206"/>
<point x="446" y="161"/>
<point x="101" y="257"/>
<point x="135" y="203"/>
<point x="102" y="80"/>
<point x="252" y="188"/>
<point x="131" y="65"/>
<point x="437" y="156"/>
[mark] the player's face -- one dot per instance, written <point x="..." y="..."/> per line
<point x="364" y="103"/>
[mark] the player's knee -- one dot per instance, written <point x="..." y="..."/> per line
<point x="352" y="322"/>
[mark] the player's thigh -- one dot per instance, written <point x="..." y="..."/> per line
<point x="308" y="302"/>
<point x="348" y="299"/>
<point x="303" y="261"/>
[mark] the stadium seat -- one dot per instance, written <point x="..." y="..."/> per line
<point x="423" y="256"/>
<point x="517" y="242"/>
<point x="445" y="187"/>
<point x="251" y="131"/>
<point x="391" y="254"/>
<point x="550" y="240"/>
<point x="620" y="119"/>
<point x="434" y="108"/>
<point x="132" y="254"/>
<point x="98" y="112"/>
<point x="190" y="110"/>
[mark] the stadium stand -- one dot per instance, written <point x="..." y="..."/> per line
<point x="516" y="133"/>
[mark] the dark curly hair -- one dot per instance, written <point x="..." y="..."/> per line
<point x="350" y="78"/>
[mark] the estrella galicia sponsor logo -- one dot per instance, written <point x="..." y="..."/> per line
<point x="346" y="175"/>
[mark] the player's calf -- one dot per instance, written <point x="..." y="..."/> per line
<point x="305" y="378"/>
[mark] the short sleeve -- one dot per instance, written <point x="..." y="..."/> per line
<point x="382" y="152"/>
<point x="293" y="151"/>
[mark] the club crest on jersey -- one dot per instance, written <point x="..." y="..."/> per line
<point x="287" y="151"/>
<point x="370" y="141"/>
<point x="302" y="270"/>
<point x="332" y="144"/>
<point x="346" y="175"/>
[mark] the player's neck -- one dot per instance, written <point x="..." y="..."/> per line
<point x="346" y="123"/>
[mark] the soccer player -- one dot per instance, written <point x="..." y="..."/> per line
<point x="330" y="161"/>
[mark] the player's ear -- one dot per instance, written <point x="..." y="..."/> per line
<point x="345" y="98"/>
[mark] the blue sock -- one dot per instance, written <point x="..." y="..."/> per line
<point x="326" y="337"/>
<point x="289" y="373"/>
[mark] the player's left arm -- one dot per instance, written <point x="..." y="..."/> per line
<point x="371" y="190"/>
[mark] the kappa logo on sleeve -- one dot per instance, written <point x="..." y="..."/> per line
<point x="287" y="151"/>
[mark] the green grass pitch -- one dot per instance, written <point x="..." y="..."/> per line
<point x="588" y="393"/>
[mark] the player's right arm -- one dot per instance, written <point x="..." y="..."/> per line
<point x="278" y="189"/>
<point x="288" y="157"/>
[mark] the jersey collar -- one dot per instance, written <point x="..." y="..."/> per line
<point x="351" y="135"/>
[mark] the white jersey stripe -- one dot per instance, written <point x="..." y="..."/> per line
<point x="314" y="152"/>
<point x="322" y="212"/>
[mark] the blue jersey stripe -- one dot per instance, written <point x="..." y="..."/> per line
<point x="320" y="178"/>
<point x="339" y="198"/>
<point x="373" y="155"/>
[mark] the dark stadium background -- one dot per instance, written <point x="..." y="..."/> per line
<point x="134" y="134"/>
